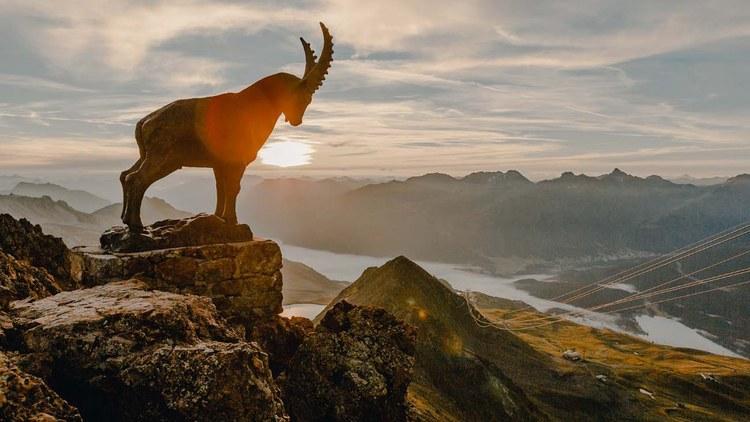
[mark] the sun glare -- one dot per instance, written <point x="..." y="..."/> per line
<point x="286" y="153"/>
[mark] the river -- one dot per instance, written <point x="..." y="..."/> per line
<point x="347" y="267"/>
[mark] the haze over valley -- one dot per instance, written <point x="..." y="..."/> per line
<point x="497" y="223"/>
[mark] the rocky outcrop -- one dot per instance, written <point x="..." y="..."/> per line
<point x="121" y="352"/>
<point x="24" y="397"/>
<point x="243" y="279"/>
<point x="27" y="242"/>
<point x="19" y="280"/>
<point x="187" y="333"/>
<point x="202" y="229"/>
<point x="356" y="366"/>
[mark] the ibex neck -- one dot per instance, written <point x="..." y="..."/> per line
<point x="276" y="88"/>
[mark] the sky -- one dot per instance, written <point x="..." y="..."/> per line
<point x="416" y="86"/>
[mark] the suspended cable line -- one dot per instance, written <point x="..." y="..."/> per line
<point x="655" y="290"/>
<point x="638" y="270"/>
<point x="483" y="322"/>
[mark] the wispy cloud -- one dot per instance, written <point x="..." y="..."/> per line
<point x="416" y="85"/>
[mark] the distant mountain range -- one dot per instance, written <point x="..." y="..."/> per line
<point x="78" y="199"/>
<point x="487" y="217"/>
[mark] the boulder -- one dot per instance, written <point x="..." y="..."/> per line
<point x="202" y="229"/>
<point x="121" y="352"/>
<point x="356" y="366"/>
<point x="24" y="397"/>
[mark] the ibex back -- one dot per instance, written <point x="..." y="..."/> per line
<point x="223" y="132"/>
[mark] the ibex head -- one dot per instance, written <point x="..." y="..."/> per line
<point x="315" y="73"/>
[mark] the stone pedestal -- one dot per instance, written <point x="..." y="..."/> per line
<point x="198" y="230"/>
<point x="243" y="279"/>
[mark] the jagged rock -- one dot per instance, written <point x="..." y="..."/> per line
<point x="27" y="242"/>
<point x="243" y="279"/>
<point x="24" y="397"/>
<point x="202" y="229"/>
<point x="19" y="280"/>
<point x="356" y="366"/>
<point x="120" y="352"/>
<point x="280" y="337"/>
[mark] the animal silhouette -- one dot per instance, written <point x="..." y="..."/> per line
<point x="223" y="132"/>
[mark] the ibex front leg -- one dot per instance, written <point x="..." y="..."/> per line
<point x="221" y="196"/>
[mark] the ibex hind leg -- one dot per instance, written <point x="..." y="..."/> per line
<point x="125" y="190"/>
<point x="139" y="181"/>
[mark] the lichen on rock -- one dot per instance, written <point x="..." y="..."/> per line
<point x="24" y="397"/>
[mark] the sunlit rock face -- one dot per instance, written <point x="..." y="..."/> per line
<point x="121" y="352"/>
<point x="243" y="279"/>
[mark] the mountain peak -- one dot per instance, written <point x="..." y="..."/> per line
<point x="432" y="178"/>
<point x="739" y="179"/>
<point x="491" y="177"/>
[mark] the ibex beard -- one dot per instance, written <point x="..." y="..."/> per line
<point x="223" y="132"/>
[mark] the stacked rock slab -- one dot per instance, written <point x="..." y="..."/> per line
<point x="243" y="279"/>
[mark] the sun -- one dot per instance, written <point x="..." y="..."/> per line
<point x="286" y="153"/>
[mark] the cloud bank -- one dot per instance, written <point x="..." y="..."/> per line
<point x="417" y="85"/>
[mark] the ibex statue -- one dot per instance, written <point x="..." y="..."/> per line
<point x="223" y="132"/>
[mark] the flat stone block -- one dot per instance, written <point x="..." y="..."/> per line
<point x="242" y="278"/>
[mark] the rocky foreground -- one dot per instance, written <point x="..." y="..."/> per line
<point x="194" y="334"/>
<point x="154" y="345"/>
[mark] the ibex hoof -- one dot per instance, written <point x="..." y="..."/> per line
<point x="135" y="228"/>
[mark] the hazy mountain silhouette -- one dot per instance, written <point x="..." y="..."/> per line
<point x="485" y="216"/>
<point x="78" y="199"/>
